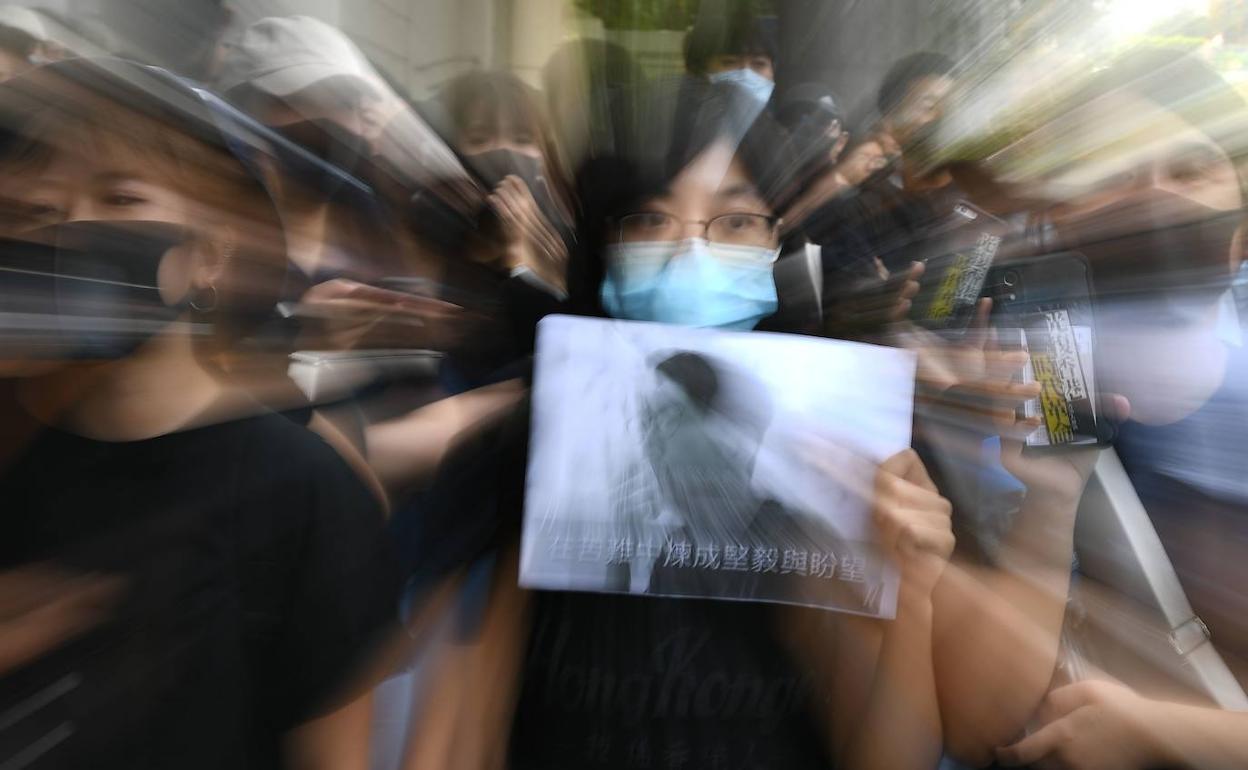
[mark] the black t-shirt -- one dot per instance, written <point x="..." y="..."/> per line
<point x="257" y="575"/>
<point x="637" y="683"/>
<point x="626" y="682"/>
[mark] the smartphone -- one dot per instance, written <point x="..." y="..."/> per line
<point x="1044" y="305"/>
<point x="957" y="254"/>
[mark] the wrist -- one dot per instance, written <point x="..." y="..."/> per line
<point x="914" y="602"/>
<point x="1180" y="735"/>
<point x="1160" y="725"/>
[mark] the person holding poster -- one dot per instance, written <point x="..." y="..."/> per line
<point x="619" y="681"/>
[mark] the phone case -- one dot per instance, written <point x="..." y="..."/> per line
<point x="1044" y="306"/>
<point x="957" y="255"/>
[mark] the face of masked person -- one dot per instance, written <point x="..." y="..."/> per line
<point x="1156" y="250"/>
<point x="107" y="287"/>
<point x="328" y="119"/>
<point x="494" y="150"/>
<point x="331" y="143"/>
<point x="1158" y="224"/>
<point x="691" y="283"/>
<point x="759" y="63"/>
<point x="702" y="255"/>
<point x="102" y="256"/>
<point x="492" y="166"/>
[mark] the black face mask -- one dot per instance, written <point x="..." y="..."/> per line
<point x="331" y="143"/>
<point x="492" y="166"/>
<point x="87" y="290"/>
<point x="1156" y="251"/>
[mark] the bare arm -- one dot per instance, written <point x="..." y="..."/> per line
<point x="997" y="628"/>
<point x="902" y="700"/>
<point x="881" y="673"/>
<point x="405" y="450"/>
<point x="336" y="741"/>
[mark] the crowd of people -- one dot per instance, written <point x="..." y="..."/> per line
<point x="267" y="332"/>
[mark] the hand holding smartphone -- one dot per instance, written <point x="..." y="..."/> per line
<point x="1044" y="306"/>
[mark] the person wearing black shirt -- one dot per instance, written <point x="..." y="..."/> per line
<point x="610" y="681"/>
<point x="186" y="580"/>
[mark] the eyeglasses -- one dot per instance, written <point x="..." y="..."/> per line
<point x="739" y="229"/>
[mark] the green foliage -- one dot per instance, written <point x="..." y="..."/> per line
<point x="657" y="14"/>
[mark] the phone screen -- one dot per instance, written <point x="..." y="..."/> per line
<point x="1044" y="306"/>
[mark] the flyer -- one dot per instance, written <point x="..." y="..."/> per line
<point x="673" y="461"/>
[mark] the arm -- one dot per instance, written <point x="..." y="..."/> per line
<point x="337" y="741"/>
<point x="997" y="626"/>
<point x="404" y="450"/>
<point x="901" y="700"/>
<point x="1001" y="624"/>
<point x="883" y="683"/>
<point x="323" y="427"/>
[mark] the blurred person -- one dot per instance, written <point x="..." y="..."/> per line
<point x="172" y="596"/>
<point x="854" y="162"/>
<point x="729" y="44"/>
<point x="911" y="100"/>
<point x="733" y="46"/>
<point x="1160" y="218"/>
<point x="886" y="193"/>
<point x="501" y="132"/>
<point x="685" y="186"/>
<point x="308" y="82"/>
<point x="506" y="260"/>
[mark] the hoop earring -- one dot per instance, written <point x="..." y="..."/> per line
<point x="199" y="306"/>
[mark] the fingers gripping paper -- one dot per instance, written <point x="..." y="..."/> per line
<point x="688" y="462"/>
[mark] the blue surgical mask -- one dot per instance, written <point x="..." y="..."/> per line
<point x="754" y="84"/>
<point x="690" y="283"/>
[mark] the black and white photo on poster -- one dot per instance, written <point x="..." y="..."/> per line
<point x="673" y="461"/>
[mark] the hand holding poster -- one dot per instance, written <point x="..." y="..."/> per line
<point x="688" y="462"/>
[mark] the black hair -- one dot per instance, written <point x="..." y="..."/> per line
<point x="739" y="33"/>
<point x="902" y="75"/>
<point x="660" y="129"/>
<point x="721" y="387"/>
<point x="694" y="375"/>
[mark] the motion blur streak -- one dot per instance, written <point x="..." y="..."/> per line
<point x="299" y="469"/>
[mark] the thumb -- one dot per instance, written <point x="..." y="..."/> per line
<point x="908" y="465"/>
<point x="1031" y="749"/>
